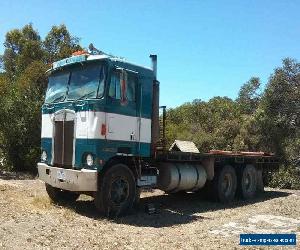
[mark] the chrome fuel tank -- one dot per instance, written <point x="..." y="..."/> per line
<point x="174" y="177"/>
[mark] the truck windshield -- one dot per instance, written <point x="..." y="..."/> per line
<point x="57" y="87"/>
<point x="86" y="82"/>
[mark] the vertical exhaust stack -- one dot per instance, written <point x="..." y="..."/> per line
<point x="155" y="108"/>
<point x="154" y="65"/>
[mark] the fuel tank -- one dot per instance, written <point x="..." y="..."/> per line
<point x="174" y="177"/>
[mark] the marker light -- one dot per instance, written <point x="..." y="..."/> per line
<point x="103" y="129"/>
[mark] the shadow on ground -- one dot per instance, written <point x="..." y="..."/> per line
<point x="171" y="209"/>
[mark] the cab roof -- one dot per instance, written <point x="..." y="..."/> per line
<point x="73" y="60"/>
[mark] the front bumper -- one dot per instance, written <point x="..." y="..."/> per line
<point x="68" y="179"/>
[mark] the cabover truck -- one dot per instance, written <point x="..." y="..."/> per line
<point x="102" y="134"/>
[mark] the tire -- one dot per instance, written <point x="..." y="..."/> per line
<point x="116" y="191"/>
<point x="247" y="184"/>
<point x="260" y="182"/>
<point x="58" y="195"/>
<point x="225" y="184"/>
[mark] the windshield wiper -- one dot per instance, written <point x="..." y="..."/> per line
<point x="57" y="99"/>
<point x="84" y="96"/>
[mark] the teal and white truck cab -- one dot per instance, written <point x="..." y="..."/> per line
<point x="101" y="136"/>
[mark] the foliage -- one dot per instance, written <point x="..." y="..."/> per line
<point x="249" y="96"/>
<point x="22" y="86"/>
<point x="22" y="47"/>
<point x="257" y="120"/>
<point x="286" y="177"/>
<point x="59" y="43"/>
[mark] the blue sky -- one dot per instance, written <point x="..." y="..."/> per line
<point x="205" y="48"/>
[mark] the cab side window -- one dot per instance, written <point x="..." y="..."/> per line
<point x="123" y="86"/>
<point x="115" y="86"/>
<point x="131" y="87"/>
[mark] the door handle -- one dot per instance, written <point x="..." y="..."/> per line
<point x="80" y="105"/>
<point x="132" y="136"/>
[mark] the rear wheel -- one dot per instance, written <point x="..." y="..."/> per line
<point x="117" y="191"/>
<point x="58" y="195"/>
<point x="247" y="185"/>
<point x="260" y="182"/>
<point x="225" y="184"/>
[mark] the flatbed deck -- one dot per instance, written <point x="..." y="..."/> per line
<point x="219" y="156"/>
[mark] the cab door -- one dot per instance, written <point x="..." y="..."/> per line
<point x="122" y="111"/>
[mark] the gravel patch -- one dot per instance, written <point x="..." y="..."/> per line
<point x="28" y="220"/>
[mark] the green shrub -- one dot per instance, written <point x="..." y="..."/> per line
<point x="286" y="177"/>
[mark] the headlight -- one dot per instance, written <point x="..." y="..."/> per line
<point x="89" y="160"/>
<point x="44" y="156"/>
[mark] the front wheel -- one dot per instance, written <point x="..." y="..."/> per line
<point x="116" y="192"/>
<point x="58" y="195"/>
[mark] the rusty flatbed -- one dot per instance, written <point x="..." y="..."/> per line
<point x="219" y="156"/>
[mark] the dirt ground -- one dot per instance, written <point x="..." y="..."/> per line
<point x="28" y="220"/>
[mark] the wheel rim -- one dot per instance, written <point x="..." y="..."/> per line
<point x="227" y="184"/>
<point x="248" y="180"/>
<point x="119" y="191"/>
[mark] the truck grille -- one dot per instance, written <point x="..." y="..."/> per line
<point x="63" y="143"/>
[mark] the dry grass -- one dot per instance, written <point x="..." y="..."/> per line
<point x="69" y="214"/>
<point x="28" y="220"/>
<point x="41" y="202"/>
